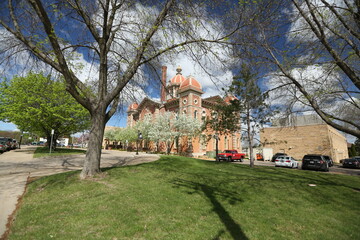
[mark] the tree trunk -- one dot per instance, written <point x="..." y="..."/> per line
<point x="248" y="122"/>
<point x="168" y="147"/>
<point x="54" y="138"/>
<point x="93" y="154"/>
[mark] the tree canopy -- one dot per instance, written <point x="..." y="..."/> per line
<point x="38" y="104"/>
<point x="250" y="103"/>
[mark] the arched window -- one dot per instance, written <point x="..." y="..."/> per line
<point x="195" y="114"/>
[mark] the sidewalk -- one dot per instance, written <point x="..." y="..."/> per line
<point x="12" y="181"/>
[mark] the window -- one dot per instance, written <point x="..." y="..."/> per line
<point x="203" y="115"/>
<point x="196" y="101"/>
<point x="195" y="114"/>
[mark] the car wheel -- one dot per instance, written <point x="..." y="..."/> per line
<point x="229" y="159"/>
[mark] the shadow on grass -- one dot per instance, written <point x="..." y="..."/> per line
<point x="210" y="192"/>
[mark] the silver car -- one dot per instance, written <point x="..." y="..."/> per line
<point x="286" y="161"/>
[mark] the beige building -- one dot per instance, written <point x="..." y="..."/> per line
<point x="305" y="135"/>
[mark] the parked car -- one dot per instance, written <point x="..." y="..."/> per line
<point x="277" y="155"/>
<point x="230" y="156"/>
<point x="7" y="142"/>
<point x="351" y="163"/>
<point x="286" y="161"/>
<point x="3" y="146"/>
<point x="14" y="144"/>
<point x="329" y="160"/>
<point x="315" y="162"/>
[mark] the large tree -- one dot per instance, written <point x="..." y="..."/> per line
<point x="311" y="51"/>
<point x="38" y="104"/>
<point x="120" y="37"/>
<point x="250" y="104"/>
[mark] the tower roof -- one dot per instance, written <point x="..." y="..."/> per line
<point x="178" y="78"/>
<point x="133" y="106"/>
<point x="190" y="83"/>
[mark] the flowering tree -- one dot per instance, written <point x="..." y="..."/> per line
<point x="186" y="126"/>
<point x="170" y="127"/>
<point x="161" y="130"/>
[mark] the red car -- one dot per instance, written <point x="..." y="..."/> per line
<point x="230" y="156"/>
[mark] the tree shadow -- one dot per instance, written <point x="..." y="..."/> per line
<point x="211" y="194"/>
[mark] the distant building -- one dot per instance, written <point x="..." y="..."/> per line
<point x="297" y="136"/>
<point x="183" y="95"/>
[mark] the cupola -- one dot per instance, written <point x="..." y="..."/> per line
<point x="178" y="78"/>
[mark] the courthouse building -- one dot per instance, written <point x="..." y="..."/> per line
<point x="183" y="95"/>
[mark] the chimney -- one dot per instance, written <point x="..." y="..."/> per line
<point x="163" y="84"/>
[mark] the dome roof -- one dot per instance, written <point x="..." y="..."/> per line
<point x="133" y="106"/>
<point x="230" y="98"/>
<point x="190" y="82"/>
<point x="178" y="78"/>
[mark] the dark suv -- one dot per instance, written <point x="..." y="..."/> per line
<point x="315" y="162"/>
<point x="277" y="155"/>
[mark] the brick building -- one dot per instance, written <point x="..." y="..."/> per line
<point x="184" y="95"/>
<point x="304" y="135"/>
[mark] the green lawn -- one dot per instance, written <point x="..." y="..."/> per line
<point x="185" y="198"/>
<point x="44" y="151"/>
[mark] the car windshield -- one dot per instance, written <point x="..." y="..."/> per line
<point x="312" y="157"/>
<point x="350" y="160"/>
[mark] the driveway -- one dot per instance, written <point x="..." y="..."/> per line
<point x="17" y="165"/>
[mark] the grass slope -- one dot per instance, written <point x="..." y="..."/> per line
<point x="184" y="198"/>
<point x="45" y="152"/>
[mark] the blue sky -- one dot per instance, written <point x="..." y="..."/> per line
<point x="7" y="126"/>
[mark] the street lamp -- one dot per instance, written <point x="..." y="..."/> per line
<point x="216" y="135"/>
<point x="137" y="142"/>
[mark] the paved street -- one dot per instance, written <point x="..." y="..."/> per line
<point x="335" y="169"/>
<point x="17" y="165"/>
